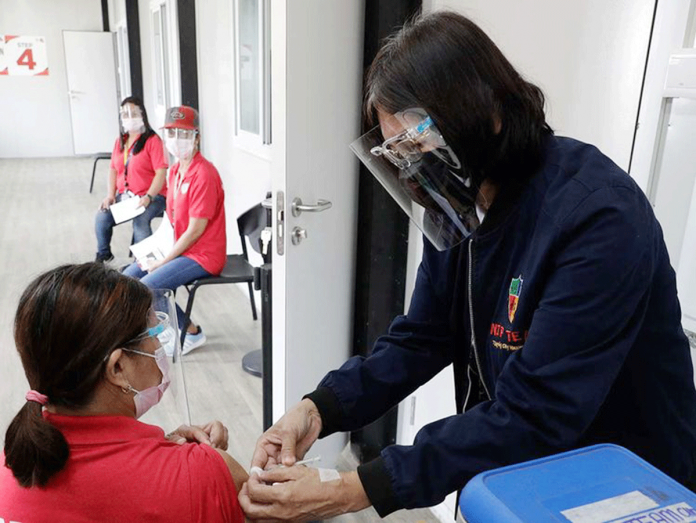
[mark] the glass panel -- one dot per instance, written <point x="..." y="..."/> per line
<point x="157" y="37"/>
<point x="121" y="72"/>
<point x="165" y="54"/>
<point x="690" y="36"/>
<point x="123" y="65"/>
<point x="249" y="60"/>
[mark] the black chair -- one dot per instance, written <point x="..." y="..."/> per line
<point x="97" y="157"/>
<point x="237" y="269"/>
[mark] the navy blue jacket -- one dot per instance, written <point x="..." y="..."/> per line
<point x="577" y="334"/>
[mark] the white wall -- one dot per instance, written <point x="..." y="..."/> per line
<point x="35" y="111"/>
<point x="587" y="56"/>
<point x="246" y="177"/>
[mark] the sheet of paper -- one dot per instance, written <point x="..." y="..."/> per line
<point x="155" y="247"/>
<point x="126" y="210"/>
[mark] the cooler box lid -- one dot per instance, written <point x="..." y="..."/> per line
<point x="598" y="484"/>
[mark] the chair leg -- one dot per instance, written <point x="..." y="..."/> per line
<point x="187" y="314"/>
<point x="94" y="168"/>
<point x="253" y="301"/>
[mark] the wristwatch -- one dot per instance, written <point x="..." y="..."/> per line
<point x="152" y="198"/>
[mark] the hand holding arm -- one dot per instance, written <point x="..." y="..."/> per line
<point x="299" y="494"/>
<point x="214" y="434"/>
<point x="290" y="438"/>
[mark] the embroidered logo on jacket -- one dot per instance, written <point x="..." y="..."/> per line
<point x="504" y="339"/>
<point x="514" y="297"/>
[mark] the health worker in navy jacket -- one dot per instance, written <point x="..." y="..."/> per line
<point x="544" y="280"/>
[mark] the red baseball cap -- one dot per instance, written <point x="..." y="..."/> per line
<point x="181" y="117"/>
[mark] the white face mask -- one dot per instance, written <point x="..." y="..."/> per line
<point x="148" y="398"/>
<point x="182" y="148"/>
<point x="133" y="125"/>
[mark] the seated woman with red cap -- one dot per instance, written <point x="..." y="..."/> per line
<point x="76" y="451"/>
<point x="196" y="210"/>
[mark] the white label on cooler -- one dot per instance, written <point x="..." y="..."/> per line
<point x="610" y="509"/>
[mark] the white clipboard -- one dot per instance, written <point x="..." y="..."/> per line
<point x="155" y="247"/>
<point x="126" y="209"/>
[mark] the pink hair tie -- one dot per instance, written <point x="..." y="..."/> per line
<point x="37" y="397"/>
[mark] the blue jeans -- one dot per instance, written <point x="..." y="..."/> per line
<point x="173" y="274"/>
<point x="104" y="224"/>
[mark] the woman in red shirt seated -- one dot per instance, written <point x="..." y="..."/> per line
<point x="75" y="451"/>
<point x="196" y="210"/>
<point x="138" y="170"/>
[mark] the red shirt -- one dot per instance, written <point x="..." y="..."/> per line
<point x="120" y="469"/>
<point x="199" y="194"/>
<point x="141" y="166"/>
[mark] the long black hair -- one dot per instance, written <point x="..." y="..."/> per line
<point x="68" y="321"/>
<point x="149" y="131"/>
<point x="488" y="114"/>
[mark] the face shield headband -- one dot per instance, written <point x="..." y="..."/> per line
<point x="422" y="174"/>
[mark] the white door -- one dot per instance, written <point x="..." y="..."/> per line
<point x="92" y="88"/>
<point x="316" y="96"/>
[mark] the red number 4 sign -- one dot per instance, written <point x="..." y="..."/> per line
<point x="27" y="59"/>
<point x="23" y="56"/>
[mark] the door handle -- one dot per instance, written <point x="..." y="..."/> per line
<point x="298" y="207"/>
<point x="73" y="93"/>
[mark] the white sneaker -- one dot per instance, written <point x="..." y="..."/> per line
<point x="167" y="339"/>
<point x="193" y="341"/>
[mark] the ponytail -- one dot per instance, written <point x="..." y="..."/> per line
<point x="68" y="321"/>
<point x="35" y="450"/>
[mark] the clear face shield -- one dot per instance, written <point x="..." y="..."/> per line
<point x="131" y="118"/>
<point x="130" y="111"/>
<point x="409" y="157"/>
<point x="181" y="134"/>
<point x="173" y="409"/>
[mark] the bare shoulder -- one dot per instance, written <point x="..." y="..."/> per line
<point x="239" y="475"/>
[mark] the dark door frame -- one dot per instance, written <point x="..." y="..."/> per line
<point x="134" y="48"/>
<point x="188" y="59"/>
<point x="382" y="248"/>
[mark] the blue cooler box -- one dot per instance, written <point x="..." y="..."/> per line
<point x="598" y="484"/>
